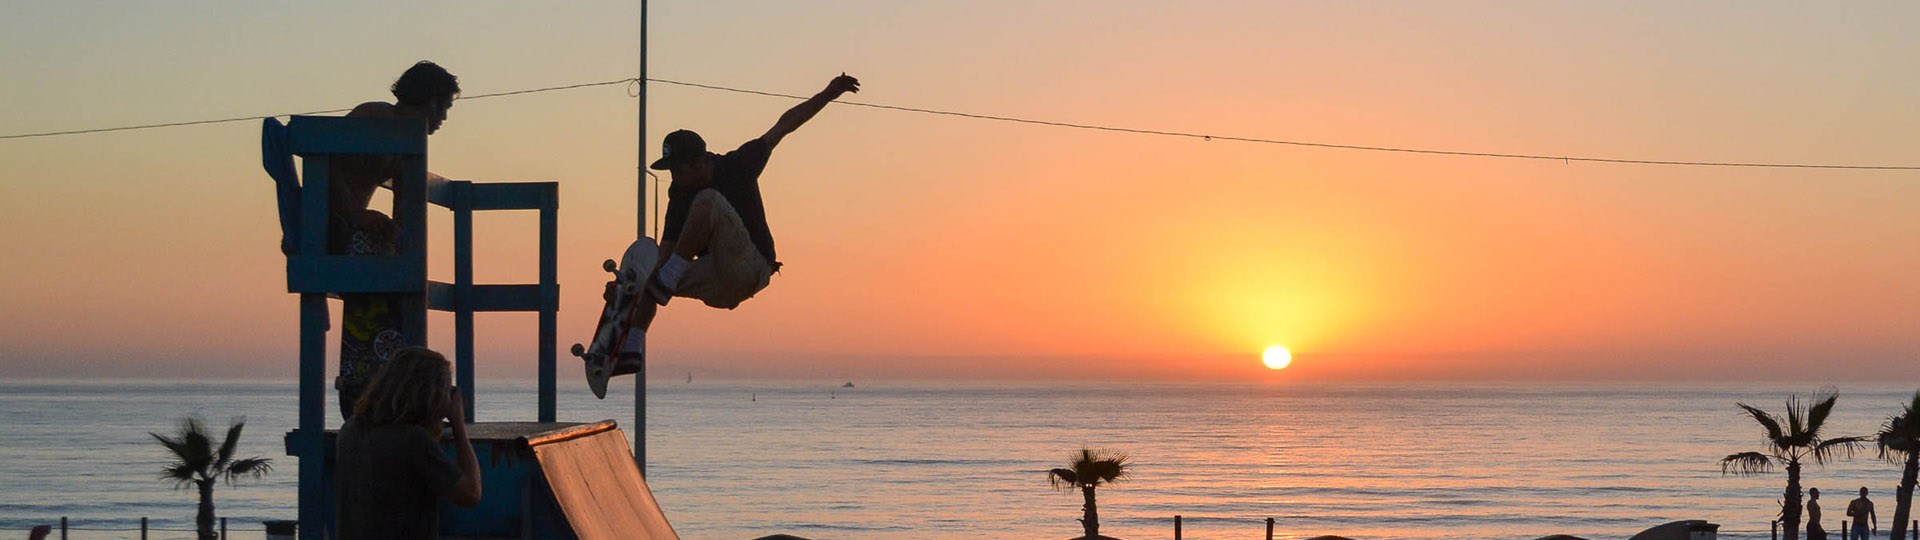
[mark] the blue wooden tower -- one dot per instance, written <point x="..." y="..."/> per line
<point x="314" y="275"/>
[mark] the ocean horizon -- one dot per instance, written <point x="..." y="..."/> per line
<point x="742" y="459"/>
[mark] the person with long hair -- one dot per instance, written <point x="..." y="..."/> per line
<point x="391" y="468"/>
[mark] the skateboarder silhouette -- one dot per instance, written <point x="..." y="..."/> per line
<point x="715" y="245"/>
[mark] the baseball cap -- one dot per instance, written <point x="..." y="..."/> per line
<point x="679" y="147"/>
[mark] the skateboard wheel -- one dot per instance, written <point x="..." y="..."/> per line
<point x="579" y="350"/>
<point x="609" y="265"/>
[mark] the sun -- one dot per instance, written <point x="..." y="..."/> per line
<point x="1276" y="357"/>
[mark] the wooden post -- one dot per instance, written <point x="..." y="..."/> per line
<point x="223" y="529"/>
<point x="1773" y="530"/>
<point x="1176" y="527"/>
<point x="1269" y="528"/>
<point x="550" y="299"/>
<point x="1845" y="533"/>
<point x="462" y="206"/>
<point x="63" y="527"/>
<point x="1914" y="530"/>
<point x="143" y="528"/>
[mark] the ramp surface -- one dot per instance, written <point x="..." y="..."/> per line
<point x="597" y="485"/>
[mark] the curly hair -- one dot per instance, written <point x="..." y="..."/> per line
<point x="410" y="389"/>
<point x="424" y="84"/>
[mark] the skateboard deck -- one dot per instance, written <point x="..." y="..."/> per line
<point x="601" y="355"/>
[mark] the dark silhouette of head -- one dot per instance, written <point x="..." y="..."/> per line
<point x="429" y="90"/>
<point x="1813" y="493"/>
<point x="412" y="388"/>
<point x="1863" y="491"/>
<point x="685" y="155"/>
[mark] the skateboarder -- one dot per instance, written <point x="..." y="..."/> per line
<point x="715" y="245"/>
<point x="369" y="331"/>
<point x="392" y="472"/>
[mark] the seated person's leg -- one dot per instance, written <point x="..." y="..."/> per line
<point x="370" y="329"/>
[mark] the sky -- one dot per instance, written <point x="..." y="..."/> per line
<point x="922" y="246"/>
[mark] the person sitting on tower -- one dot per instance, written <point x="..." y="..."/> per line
<point x="715" y="244"/>
<point x="370" y="329"/>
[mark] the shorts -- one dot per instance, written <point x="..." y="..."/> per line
<point x="732" y="270"/>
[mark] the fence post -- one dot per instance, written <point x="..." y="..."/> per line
<point x="1914" y="530"/>
<point x="1269" y="528"/>
<point x="63" y="527"/>
<point x="143" y="528"/>
<point x="1773" y="530"/>
<point x="223" y="528"/>
<point x="1844" y="531"/>
<point x="1176" y="527"/>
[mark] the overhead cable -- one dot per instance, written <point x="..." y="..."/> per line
<point x="1094" y="127"/>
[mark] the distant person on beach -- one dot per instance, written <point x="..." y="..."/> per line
<point x="1861" y="510"/>
<point x="1814" y="530"/>
<point x="715" y="243"/>
<point x="370" y="331"/>
<point x="391" y="469"/>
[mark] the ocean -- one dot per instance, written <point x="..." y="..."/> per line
<point x="738" y="460"/>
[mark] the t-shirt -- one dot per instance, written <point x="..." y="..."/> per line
<point x="391" y="479"/>
<point x="736" y="176"/>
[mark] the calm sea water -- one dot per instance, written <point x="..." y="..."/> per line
<point x="892" y="460"/>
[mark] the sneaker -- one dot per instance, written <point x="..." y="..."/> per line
<point x="632" y="353"/>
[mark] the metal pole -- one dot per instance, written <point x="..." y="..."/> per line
<point x="223" y="529"/>
<point x="143" y="528"/>
<point x="1176" y="527"/>
<point x="640" y="216"/>
<point x="63" y="527"/>
<point x="1773" y="530"/>
<point x="1269" y="528"/>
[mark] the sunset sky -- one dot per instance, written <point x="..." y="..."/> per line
<point x="920" y="246"/>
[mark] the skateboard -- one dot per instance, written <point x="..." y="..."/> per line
<point x="622" y="296"/>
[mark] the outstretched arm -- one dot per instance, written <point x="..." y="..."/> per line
<point x="803" y="112"/>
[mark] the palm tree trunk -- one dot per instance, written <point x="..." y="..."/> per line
<point x="205" y="518"/>
<point x="1903" y="497"/>
<point x="1092" y="519"/>
<point x="1790" y="509"/>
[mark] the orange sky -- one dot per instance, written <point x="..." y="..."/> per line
<point x="938" y="247"/>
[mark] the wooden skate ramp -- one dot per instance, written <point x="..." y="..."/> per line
<point x="593" y="478"/>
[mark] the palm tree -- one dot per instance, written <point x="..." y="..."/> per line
<point x="1799" y="440"/>
<point x="197" y="463"/>
<point x="1088" y="469"/>
<point x="1899" y="441"/>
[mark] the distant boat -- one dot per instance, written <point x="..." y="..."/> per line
<point x="689" y="377"/>
<point x="848" y="385"/>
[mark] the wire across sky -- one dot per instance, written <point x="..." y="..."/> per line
<point x="1072" y="125"/>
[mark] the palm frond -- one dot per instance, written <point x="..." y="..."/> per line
<point x="1062" y="478"/>
<point x="1766" y="420"/>
<point x="179" y="475"/>
<point x="256" y="467"/>
<point x="225" y="454"/>
<point x="1826" y="450"/>
<point x="190" y="447"/>
<point x="1822" y="408"/>
<point x="1110" y="469"/>
<point x="1746" y="464"/>
<point x="1899" y="437"/>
